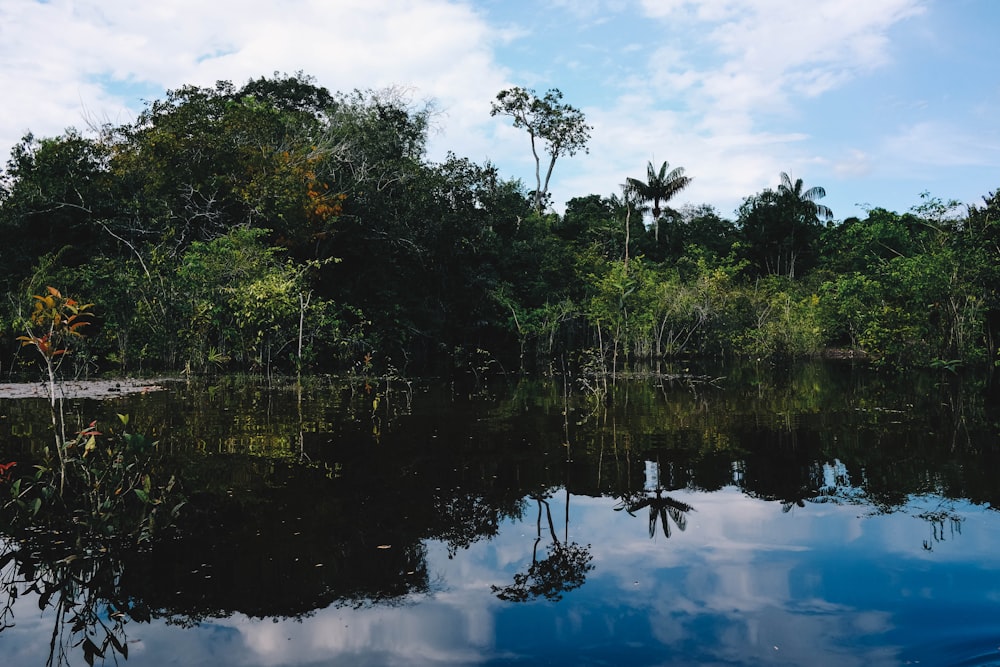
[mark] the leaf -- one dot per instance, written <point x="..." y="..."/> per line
<point x="90" y="649"/>
<point x="35" y="506"/>
<point x="142" y="495"/>
<point x="121" y="647"/>
<point x="122" y="418"/>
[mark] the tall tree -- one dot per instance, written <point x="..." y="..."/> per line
<point x="561" y="127"/>
<point x="660" y="186"/>
<point x="805" y="200"/>
<point x="782" y="227"/>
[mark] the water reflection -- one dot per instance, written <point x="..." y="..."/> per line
<point x="85" y="605"/>
<point x="563" y="568"/>
<point x="838" y="522"/>
<point x="662" y="509"/>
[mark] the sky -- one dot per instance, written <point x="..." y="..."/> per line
<point x="876" y="101"/>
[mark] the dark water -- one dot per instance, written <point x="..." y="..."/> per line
<point x="813" y="516"/>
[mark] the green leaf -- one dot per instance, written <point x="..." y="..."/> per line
<point x="142" y="495"/>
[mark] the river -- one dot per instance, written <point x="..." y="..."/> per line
<point x="821" y="514"/>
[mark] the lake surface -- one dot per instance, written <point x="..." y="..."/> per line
<point x="819" y="515"/>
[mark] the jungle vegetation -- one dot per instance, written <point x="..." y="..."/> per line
<point x="276" y="226"/>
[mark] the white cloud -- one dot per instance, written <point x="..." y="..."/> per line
<point x="856" y="163"/>
<point x="731" y="74"/>
<point x="442" y="50"/>
<point x="719" y="87"/>
<point x="941" y="144"/>
<point x="768" y="50"/>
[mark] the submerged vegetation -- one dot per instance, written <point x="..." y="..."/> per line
<point x="93" y="489"/>
<point x="277" y="226"/>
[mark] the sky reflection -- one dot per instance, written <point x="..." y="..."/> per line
<point x="744" y="583"/>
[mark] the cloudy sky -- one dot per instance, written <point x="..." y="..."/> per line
<point x="875" y="100"/>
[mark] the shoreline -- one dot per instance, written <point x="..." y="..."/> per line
<point x="96" y="389"/>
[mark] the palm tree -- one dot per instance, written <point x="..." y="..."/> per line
<point x="659" y="187"/>
<point x="784" y="225"/>
<point x="807" y="199"/>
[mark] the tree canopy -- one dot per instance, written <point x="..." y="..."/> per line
<point x="560" y="128"/>
<point x="275" y="226"/>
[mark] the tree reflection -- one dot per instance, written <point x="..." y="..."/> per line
<point x="661" y="508"/>
<point x="563" y="568"/>
<point x="88" y="609"/>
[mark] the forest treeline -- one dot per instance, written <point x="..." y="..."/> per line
<point x="278" y="226"/>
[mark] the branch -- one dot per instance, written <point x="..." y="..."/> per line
<point x="131" y="247"/>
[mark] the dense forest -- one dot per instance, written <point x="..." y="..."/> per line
<point x="278" y="226"/>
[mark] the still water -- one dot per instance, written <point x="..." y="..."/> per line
<point x="820" y="515"/>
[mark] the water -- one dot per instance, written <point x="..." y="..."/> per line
<point x="815" y="516"/>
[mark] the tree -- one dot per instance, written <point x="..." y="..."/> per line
<point x="659" y="187"/>
<point x="54" y="321"/>
<point x="206" y="160"/>
<point x="52" y="195"/>
<point x="561" y="127"/>
<point x="782" y="227"/>
<point x="805" y="201"/>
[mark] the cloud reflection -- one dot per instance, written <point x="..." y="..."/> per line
<point x="745" y="583"/>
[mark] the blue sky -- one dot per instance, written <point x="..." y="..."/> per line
<point x="875" y="100"/>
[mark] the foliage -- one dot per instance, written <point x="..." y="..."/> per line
<point x="560" y="127"/>
<point x="55" y="320"/>
<point x="659" y="186"/>
<point x="276" y="226"/>
<point x="84" y="488"/>
<point x="243" y="301"/>
<point x="782" y="227"/>
<point x="112" y="488"/>
<point x="786" y="322"/>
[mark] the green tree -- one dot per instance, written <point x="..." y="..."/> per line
<point x="659" y="186"/>
<point x="204" y="160"/>
<point x="804" y="201"/>
<point x="560" y="127"/>
<point x="978" y="247"/>
<point x="865" y="244"/>
<point x="243" y="301"/>
<point x="782" y="227"/>
<point x="54" y="195"/>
